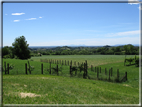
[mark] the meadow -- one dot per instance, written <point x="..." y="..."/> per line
<point x="53" y="89"/>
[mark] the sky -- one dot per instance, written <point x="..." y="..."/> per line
<point x="65" y="24"/>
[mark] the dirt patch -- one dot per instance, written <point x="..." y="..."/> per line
<point x="24" y="95"/>
<point x="25" y="85"/>
<point x="15" y="84"/>
<point x="126" y="85"/>
<point x="45" y="78"/>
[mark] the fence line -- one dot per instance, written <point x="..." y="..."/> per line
<point x="74" y="68"/>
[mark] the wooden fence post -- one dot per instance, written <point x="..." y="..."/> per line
<point x="65" y="62"/>
<point x="100" y="69"/>
<point x="95" y="69"/>
<point x="126" y="75"/>
<point x="91" y="68"/>
<point x="5" y="66"/>
<point x="70" y="70"/>
<point x="62" y="62"/>
<point x="57" y="70"/>
<point x="42" y="68"/>
<point x="29" y="67"/>
<point x="8" y="68"/>
<point x="84" y="75"/>
<point x="98" y="73"/>
<point x="109" y="74"/>
<point x="124" y="62"/>
<point x="26" y="68"/>
<point x="71" y="63"/>
<point x="111" y="71"/>
<point x="86" y="68"/>
<point x="118" y="74"/>
<point x="50" y="68"/>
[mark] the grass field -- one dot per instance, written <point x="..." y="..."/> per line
<point x="94" y="60"/>
<point x="52" y="89"/>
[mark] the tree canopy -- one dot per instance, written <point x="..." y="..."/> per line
<point x="20" y="48"/>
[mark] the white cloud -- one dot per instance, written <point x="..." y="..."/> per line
<point x="130" y="2"/>
<point x="128" y="33"/>
<point x="17" y="13"/>
<point x="31" y="19"/>
<point x="16" y="20"/>
<point x="40" y="17"/>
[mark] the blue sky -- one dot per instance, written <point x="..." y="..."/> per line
<point x="58" y="24"/>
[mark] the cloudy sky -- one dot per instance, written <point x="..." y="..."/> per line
<point x="58" y="24"/>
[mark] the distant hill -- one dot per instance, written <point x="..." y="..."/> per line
<point x="49" y="47"/>
<point x="126" y="44"/>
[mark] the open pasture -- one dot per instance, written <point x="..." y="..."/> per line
<point x="53" y="89"/>
<point x="94" y="60"/>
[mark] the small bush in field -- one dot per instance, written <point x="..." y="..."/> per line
<point x="6" y="56"/>
<point x="11" y="66"/>
<point x="80" y="67"/>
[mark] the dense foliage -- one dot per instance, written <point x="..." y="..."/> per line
<point x="25" y="52"/>
<point x="19" y="50"/>
<point x="105" y="50"/>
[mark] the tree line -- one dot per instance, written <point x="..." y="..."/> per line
<point x="20" y="50"/>
<point x="105" y="50"/>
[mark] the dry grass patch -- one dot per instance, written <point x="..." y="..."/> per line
<point x="15" y="84"/>
<point x="24" y="95"/>
<point x="25" y="85"/>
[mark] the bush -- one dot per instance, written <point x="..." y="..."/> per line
<point x="137" y="62"/>
<point x="129" y="60"/>
<point x="6" y="56"/>
<point x="16" y="57"/>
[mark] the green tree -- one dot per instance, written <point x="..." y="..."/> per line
<point x="129" y="49"/>
<point x="126" y="49"/>
<point x="21" y="48"/>
<point x="11" y="53"/>
<point x="117" y="49"/>
<point x="5" y="51"/>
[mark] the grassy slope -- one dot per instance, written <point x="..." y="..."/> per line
<point x="64" y="90"/>
<point x="94" y="60"/>
<point x="56" y="89"/>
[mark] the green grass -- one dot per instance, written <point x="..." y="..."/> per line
<point x="94" y="60"/>
<point x="64" y="89"/>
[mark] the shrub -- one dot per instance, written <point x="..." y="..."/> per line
<point x="6" y="56"/>
<point x="130" y="60"/>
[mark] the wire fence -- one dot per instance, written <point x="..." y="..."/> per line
<point x="66" y="68"/>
